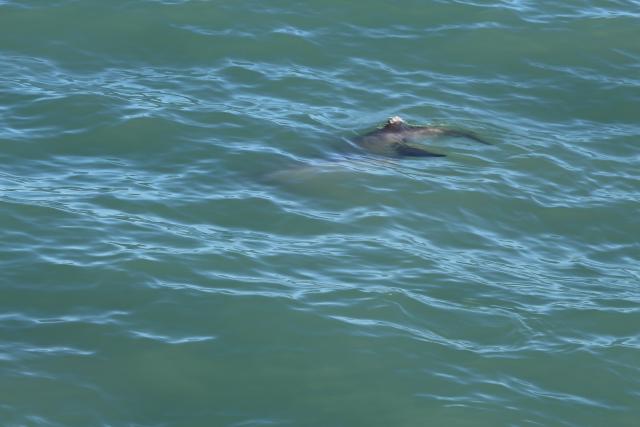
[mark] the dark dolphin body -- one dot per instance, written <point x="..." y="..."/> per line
<point x="392" y="139"/>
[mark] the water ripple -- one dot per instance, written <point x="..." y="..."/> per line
<point x="171" y="340"/>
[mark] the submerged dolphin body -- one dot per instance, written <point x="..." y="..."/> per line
<point x="392" y="139"/>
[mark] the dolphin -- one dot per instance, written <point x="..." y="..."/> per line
<point x="392" y="139"/>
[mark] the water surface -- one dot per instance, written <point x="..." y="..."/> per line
<point x="189" y="239"/>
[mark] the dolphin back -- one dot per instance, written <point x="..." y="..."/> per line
<point x="411" y="151"/>
<point x="464" y="134"/>
<point x="392" y="139"/>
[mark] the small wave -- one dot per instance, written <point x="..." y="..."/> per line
<point x="171" y="340"/>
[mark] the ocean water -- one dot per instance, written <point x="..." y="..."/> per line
<point x="189" y="238"/>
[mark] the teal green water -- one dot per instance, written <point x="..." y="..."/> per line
<point x="188" y="238"/>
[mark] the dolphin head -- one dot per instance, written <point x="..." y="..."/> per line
<point x="394" y="124"/>
<point x="395" y="120"/>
